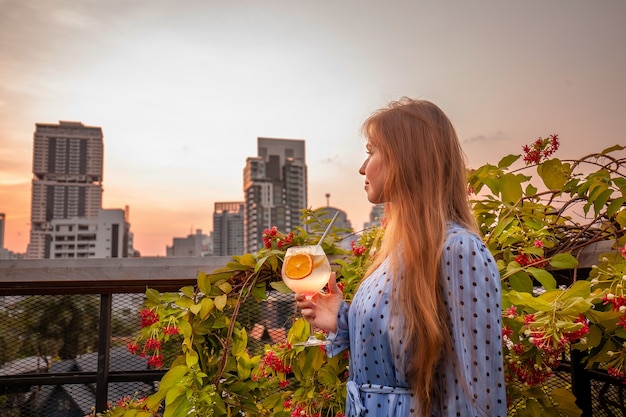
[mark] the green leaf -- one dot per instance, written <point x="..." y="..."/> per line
<point x="244" y="368"/>
<point x="554" y="174"/>
<point x="180" y="407"/>
<point x="153" y="295"/>
<point x="526" y="299"/>
<point x="248" y="260"/>
<point x="185" y="328"/>
<point x="219" y="408"/>
<point x="206" y="307"/>
<point x="272" y="401"/>
<point x="575" y="306"/>
<point x="225" y="287"/>
<point x="191" y="358"/>
<point x="563" y="261"/>
<point x="281" y="287"/>
<point x="593" y="338"/>
<point x="600" y="200"/>
<point x="260" y="263"/>
<point x="511" y="188"/>
<point x="220" y="302"/>
<point x="172" y="377"/>
<point x="259" y="291"/>
<point x="621" y="218"/>
<point x="533" y="407"/>
<point x="613" y="149"/>
<point x="501" y="226"/>
<point x="614" y="206"/>
<point x="566" y="401"/>
<point x="204" y="283"/>
<point x="328" y="377"/>
<point x="240" y="343"/>
<point x="544" y="277"/>
<point x="531" y="190"/>
<point x="195" y="308"/>
<point x="580" y="288"/>
<point x="508" y="160"/>
<point x="520" y="281"/>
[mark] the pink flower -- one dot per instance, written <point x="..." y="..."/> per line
<point x="538" y="243"/>
<point x="623" y="250"/>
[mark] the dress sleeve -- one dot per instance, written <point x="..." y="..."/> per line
<point x="340" y="341"/>
<point x="472" y="293"/>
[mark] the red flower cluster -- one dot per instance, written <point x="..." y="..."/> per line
<point x="529" y="373"/>
<point x="273" y="238"/>
<point x="357" y="250"/>
<point x="534" y="371"/>
<point x="616" y="301"/>
<point x="300" y="410"/>
<point x="152" y="346"/>
<point x="525" y="259"/>
<point x="616" y="373"/>
<point x="125" y="402"/>
<point x="148" y="317"/>
<point x="276" y="364"/>
<point x="623" y="250"/>
<point x="170" y="330"/>
<point x="540" y="149"/>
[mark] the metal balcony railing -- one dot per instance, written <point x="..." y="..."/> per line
<point x="99" y="280"/>
<point x="113" y="289"/>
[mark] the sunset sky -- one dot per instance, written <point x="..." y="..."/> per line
<point x="182" y="89"/>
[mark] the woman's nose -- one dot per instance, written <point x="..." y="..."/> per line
<point x="362" y="169"/>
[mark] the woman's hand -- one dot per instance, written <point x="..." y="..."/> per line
<point x="321" y="310"/>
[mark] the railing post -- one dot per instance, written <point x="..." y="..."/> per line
<point x="104" y="345"/>
<point x="581" y="383"/>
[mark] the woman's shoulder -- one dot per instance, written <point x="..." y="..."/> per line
<point x="462" y="241"/>
<point x="457" y="232"/>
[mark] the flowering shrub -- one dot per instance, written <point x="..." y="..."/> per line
<point x="537" y="219"/>
<point x="536" y="226"/>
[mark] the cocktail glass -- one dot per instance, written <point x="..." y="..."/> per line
<point x="306" y="270"/>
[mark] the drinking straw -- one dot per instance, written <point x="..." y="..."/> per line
<point x="328" y="228"/>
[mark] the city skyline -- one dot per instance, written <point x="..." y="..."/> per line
<point x="183" y="91"/>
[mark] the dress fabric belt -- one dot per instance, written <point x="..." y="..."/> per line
<point x="354" y="405"/>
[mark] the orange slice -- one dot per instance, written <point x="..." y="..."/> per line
<point x="299" y="266"/>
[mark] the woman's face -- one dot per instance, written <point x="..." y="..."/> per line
<point x="375" y="172"/>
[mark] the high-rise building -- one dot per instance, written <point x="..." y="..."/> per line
<point x="275" y="188"/>
<point x="228" y="229"/>
<point x="107" y="236"/>
<point x="67" y="219"/>
<point x="193" y="245"/>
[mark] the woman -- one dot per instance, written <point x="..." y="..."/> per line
<point x="424" y="328"/>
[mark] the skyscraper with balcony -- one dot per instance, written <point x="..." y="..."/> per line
<point x="228" y="229"/>
<point x="275" y="188"/>
<point x="67" y="179"/>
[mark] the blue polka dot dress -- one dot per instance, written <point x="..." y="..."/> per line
<point x="472" y="378"/>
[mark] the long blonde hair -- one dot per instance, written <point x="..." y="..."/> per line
<point x="425" y="189"/>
